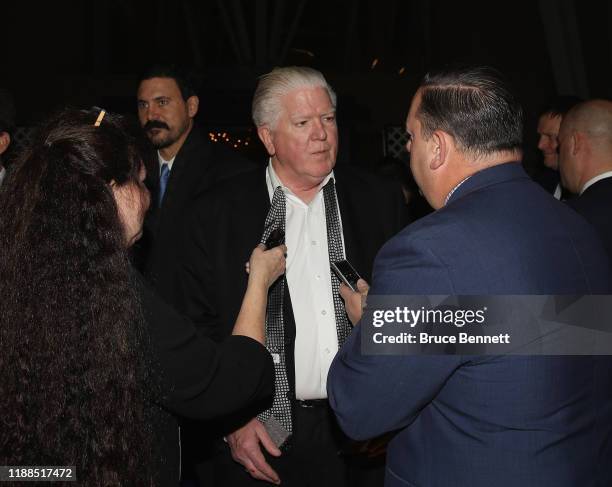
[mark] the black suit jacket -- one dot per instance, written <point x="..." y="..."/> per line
<point x="228" y="223"/>
<point x="197" y="378"/>
<point x="198" y="166"/>
<point x="547" y="178"/>
<point x="595" y="205"/>
<point x="225" y="225"/>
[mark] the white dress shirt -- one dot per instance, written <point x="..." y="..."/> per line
<point x="309" y="280"/>
<point x="448" y="196"/>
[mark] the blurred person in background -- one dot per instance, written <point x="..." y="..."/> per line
<point x="7" y="126"/>
<point x="548" y="143"/>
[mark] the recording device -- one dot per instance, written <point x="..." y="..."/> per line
<point x="276" y="238"/>
<point x="346" y="273"/>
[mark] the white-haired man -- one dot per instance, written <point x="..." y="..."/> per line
<point x="327" y="214"/>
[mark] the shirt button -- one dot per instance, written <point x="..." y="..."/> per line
<point x="327" y="350"/>
<point x="314" y="242"/>
<point x="323" y="312"/>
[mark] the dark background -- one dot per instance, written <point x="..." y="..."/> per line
<point x="86" y="53"/>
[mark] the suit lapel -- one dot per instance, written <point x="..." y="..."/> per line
<point x="246" y="213"/>
<point x="193" y="157"/>
<point x="349" y="214"/>
<point x="260" y="202"/>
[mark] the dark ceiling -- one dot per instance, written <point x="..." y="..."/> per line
<point x="372" y="51"/>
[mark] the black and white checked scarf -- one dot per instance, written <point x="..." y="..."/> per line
<point x="336" y="253"/>
<point x="275" y="325"/>
<point x="275" y="331"/>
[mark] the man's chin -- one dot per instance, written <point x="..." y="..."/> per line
<point x="323" y="168"/>
<point x="551" y="163"/>
<point x="324" y="159"/>
<point x="159" y="142"/>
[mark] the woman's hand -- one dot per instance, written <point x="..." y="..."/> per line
<point x="266" y="266"/>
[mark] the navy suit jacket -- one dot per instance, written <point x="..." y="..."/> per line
<point x="470" y="421"/>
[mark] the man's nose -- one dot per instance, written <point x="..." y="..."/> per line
<point x="542" y="143"/>
<point x="152" y="113"/>
<point x="318" y="131"/>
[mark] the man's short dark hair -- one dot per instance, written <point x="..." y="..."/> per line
<point x="183" y="79"/>
<point x="475" y="106"/>
<point x="557" y="106"/>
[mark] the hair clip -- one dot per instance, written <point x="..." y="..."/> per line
<point x="99" y="119"/>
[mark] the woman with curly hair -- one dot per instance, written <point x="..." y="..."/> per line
<point x="90" y="360"/>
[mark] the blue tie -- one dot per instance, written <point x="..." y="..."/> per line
<point x="163" y="182"/>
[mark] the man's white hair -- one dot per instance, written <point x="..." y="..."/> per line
<point x="274" y="85"/>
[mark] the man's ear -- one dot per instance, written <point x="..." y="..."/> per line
<point x="576" y="141"/>
<point x="193" y="103"/>
<point x="439" y="149"/>
<point x="5" y="141"/>
<point x="265" y="135"/>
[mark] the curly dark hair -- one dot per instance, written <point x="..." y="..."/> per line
<point x="74" y="357"/>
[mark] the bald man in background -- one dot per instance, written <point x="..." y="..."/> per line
<point x="585" y="163"/>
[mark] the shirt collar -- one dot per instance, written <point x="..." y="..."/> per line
<point x="164" y="161"/>
<point x="273" y="181"/>
<point x="592" y="181"/>
<point x="498" y="173"/>
<point x="448" y="197"/>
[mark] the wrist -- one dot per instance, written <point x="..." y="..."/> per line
<point x="257" y="281"/>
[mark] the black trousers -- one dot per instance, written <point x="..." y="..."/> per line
<point x="314" y="458"/>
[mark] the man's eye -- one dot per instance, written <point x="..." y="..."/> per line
<point x="330" y="118"/>
<point x="301" y="123"/>
<point x="163" y="102"/>
<point x="142" y="105"/>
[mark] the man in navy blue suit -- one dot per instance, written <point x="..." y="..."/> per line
<point x="471" y="421"/>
